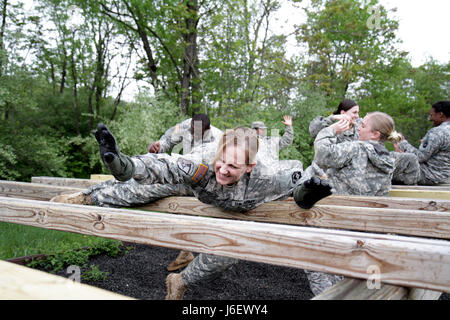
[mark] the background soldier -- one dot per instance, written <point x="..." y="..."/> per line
<point x="433" y="155"/>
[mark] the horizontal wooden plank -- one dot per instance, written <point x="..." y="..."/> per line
<point x="442" y="187"/>
<point x="22" y="283"/>
<point x="405" y="261"/>
<point x="65" y="182"/>
<point x="101" y="177"/>
<point x="34" y="191"/>
<point x="421" y="194"/>
<point x="428" y="218"/>
<point x="387" y="218"/>
<point x="39" y="191"/>
<point x="353" y="289"/>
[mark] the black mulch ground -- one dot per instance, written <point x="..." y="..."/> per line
<point x="141" y="274"/>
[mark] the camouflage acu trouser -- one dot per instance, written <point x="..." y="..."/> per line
<point x="113" y="193"/>
<point x="319" y="281"/>
<point x="406" y="168"/>
<point x="206" y="267"/>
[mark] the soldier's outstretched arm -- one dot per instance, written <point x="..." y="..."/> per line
<point x="287" y="138"/>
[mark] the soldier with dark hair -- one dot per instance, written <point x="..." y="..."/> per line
<point x="432" y="158"/>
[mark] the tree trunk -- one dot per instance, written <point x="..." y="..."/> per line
<point x="75" y="91"/>
<point x="190" y="80"/>
<point x="63" y="72"/>
<point x="2" y="35"/>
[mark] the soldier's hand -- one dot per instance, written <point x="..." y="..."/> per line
<point x="341" y="126"/>
<point x="107" y="143"/>
<point x="287" y="120"/>
<point x="154" y="147"/>
<point x="311" y="191"/>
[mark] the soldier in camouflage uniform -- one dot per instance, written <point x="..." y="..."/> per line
<point x="233" y="182"/>
<point x="432" y="159"/>
<point x="191" y="132"/>
<point x="270" y="146"/>
<point x="199" y="140"/>
<point x="362" y="167"/>
<point x="347" y="109"/>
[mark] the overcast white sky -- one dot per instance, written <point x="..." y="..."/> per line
<point x="423" y="26"/>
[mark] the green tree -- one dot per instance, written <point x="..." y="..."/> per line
<point x="345" y="39"/>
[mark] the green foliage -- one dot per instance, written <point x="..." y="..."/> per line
<point x="66" y="255"/>
<point x="7" y="161"/>
<point x="144" y="121"/>
<point x="94" y="274"/>
<point x="405" y="93"/>
<point x="343" y="46"/>
<point x="19" y="240"/>
<point x="243" y="74"/>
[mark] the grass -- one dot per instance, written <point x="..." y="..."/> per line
<point x="18" y="240"/>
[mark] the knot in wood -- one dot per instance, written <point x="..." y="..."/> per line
<point x="173" y="205"/>
<point x="41" y="217"/>
<point x="432" y="205"/>
<point x="359" y="243"/>
<point x="99" y="225"/>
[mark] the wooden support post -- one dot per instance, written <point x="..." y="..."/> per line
<point x="405" y="261"/>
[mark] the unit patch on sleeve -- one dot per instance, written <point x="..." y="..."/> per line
<point x="201" y="171"/>
<point x="185" y="165"/>
<point x="296" y="176"/>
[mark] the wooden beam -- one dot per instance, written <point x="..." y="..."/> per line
<point x="353" y="289"/>
<point x="22" y="283"/>
<point x="405" y="261"/>
<point x="375" y="214"/>
<point x="407" y="221"/>
<point x="101" y="177"/>
<point x="34" y="191"/>
<point x="422" y="194"/>
<point x="65" y="182"/>
<point x="443" y="187"/>
<point x="41" y="192"/>
<point x="423" y="294"/>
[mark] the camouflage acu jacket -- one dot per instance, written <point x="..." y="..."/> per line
<point x="354" y="167"/>
<point x="182" y="133"/>
<point x="252" y="190"/>
<point x="433" y="154"/>
<point x="270" y="146"/>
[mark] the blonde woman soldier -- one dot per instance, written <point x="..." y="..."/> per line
<point x="234" y="181"/>
<point x="362" y="167"/>
<point x="199" y="139"/>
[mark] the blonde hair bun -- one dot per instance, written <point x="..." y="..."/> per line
<point x="395" y="137"/>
